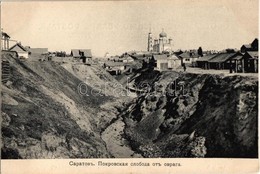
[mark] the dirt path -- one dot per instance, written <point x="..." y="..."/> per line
<point x="116" y="144"/>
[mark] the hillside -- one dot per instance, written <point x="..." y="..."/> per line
<point x="44" y="116"/>
<point x="173" y="114"/>
<point x="214" y="116"/>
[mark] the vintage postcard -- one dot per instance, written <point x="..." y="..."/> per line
<point x="129" y="86"/>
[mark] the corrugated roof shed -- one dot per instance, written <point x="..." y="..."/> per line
<point x="206" y="58"/>
<point x="222" y="57"/>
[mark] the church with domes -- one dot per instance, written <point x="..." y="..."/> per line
<point x="163" y="44"/>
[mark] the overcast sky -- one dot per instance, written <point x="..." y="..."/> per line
<point x="116" y="27"/>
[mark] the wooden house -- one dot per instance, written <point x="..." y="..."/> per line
<point x="83" y="54"/>
<point x="238" y="63"/>
<point x="221" y="61"/>
<point x="247" y="63"/>
<point x="245" y="47"/>
<point x="202" y="62"/>
<point x="127" y="59"/>
<point x="250" y="47"/>
<point x="115" y="65"/>
<point x="189" y="58"/>
<point x="174" y="62"/>
<point x="161" y="62"/>
<point x="164" y="62"/>
<point x="250" y="60"/>
<point x="22" y="52"/>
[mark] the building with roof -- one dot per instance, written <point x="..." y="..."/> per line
<point x="115" y="65"/>
<point x="250" y="47"/>
<point x="21" y="50"/>
<point x="245" y="47"/>
<point x="254" y="44"/>
<point x="178" y="52"/>
<point x="164" y="62"/>
<point x="84" y="54"/>
<point x="238" y="64"/>
<point x="5" y="40"/>
<point x="250" y="62"/>
<point x="245" y="63"/>
<point x="162" y="45"/>
<point x="161" y="62"/>
<point x="114" y="68"/>
<point x="128" y="59"/>
<point x="222" y="61"/>
<point x="189" y="57"/>
<point x="174" y="62"/>
<point x="202" y="62"/>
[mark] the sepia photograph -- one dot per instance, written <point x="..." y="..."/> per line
<point x="129" y="80"/>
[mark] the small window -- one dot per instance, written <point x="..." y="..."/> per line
<point x="187" y="59"/>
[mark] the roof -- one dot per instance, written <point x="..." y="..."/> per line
<point x="160" y="56"/>
<point x="206" y="58"/>
<point x="188" y="55"/>
<point x="38" y="50"/>
<point x="247" y="45"/>
<point x="86" y="52"/>
<point x="173" y="57"/>
<point x="18" y="45"/>
<point x="239" y="57"/>
<point x="5" y="35"/>
<point x="253" y="54"/>
<point x="178" y="52"/>
<point x="75" y="53"/>
<point x="222" y="57"/>
<point x="129" y="58"/>
<point x="137" y="56"/>
<point x="255" y="40"/>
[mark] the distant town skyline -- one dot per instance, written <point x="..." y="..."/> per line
<point x="120" y="26"/>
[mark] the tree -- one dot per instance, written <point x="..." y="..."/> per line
<point x="200" y="52"/>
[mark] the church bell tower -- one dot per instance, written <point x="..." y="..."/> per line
<point x="150" y="41"/>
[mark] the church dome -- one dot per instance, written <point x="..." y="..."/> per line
<point x="163" y="34"/>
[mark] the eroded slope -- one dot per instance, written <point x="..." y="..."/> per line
<point x="214" y="116"/>
<point x="44" y="116"/>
